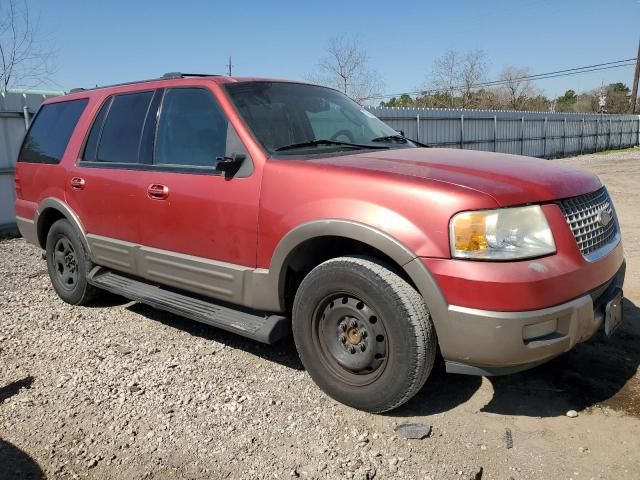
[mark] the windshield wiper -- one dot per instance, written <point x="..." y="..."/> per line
<point x="400" y="139"/>
<point x="390" y="138"/>
<point x="315" y="143"/>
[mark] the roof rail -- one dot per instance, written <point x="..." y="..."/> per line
<point x="166" y="76"/>
<point x="173" y="75"/>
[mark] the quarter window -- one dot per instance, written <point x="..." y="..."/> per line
<point x="49" y="135"/>
<point x="91" y="147"/>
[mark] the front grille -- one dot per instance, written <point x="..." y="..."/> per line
<point x="583" y="214"/>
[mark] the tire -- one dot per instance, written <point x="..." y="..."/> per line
<point x="68" y="264"/>
<point x="349" y="301"/>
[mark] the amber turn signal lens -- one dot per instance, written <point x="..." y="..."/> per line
<point x="469" y="232"/>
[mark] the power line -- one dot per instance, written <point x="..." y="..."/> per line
<point x="539" y="76"/>
<point x="531" y="77"/>
<point x="494" y="83"/>
<point x="505" y="82"/>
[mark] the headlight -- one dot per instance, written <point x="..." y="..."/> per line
<point x="502" y="234"/>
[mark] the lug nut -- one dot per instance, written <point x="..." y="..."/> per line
<point x="363" y="347"/>
<point x="342" y="339"/>
<point x="364" y="334"/>
<point x="353" y="323"/>
<point x="352" y="349"/>
<point x="343" y="325"/>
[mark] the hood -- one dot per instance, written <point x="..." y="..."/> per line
<point x="509" y="179"/>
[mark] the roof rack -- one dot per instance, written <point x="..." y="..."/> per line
<point x="173" y="75"/>
<point x="166" y="76"/>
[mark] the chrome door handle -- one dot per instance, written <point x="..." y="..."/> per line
<point x="77" y="183"/>
<point x="157" y="191"/>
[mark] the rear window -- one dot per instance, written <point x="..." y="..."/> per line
<point x="50" y="132"/>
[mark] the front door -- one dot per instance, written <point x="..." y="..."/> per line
<point x="199" y="227"/>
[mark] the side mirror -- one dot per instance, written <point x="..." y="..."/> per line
<point x="401" y="132"/>
<point x="230" y="165"/>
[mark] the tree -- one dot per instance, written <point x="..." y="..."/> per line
<point x="567" y="101"/>
<point x="474" y="71"/>
<point x="516" y="88"/>
<point x="537" y="103"/>
<point x="586" y="103"/>
<point x="455" y="77"/>
<point x="488" y="99"/>
<point x="445" y="76"/>
<point x="403" y="101"/>
<point x="619" y="87"/>
<point x="345" y="66"/>
<point x="24" y="62"/>
<point x="618" y="96"/>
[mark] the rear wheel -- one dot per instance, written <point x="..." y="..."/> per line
<point x="68" y="264"/>
<point x="363" y="333"/>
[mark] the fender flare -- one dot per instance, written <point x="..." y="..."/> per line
<point x="390" y="246"/>
<point x="51" y="203"/>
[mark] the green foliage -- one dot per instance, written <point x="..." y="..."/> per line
<point x="566" y="102"/>
<point x="619" y="88"/>
<point x="404" y="101"/>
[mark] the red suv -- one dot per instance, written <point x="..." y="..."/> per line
<point x="262" y="206"/>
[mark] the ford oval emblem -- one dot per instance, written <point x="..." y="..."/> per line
<point x="604" y="217"/>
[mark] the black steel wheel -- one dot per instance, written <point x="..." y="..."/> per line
<point x="68" y="264"/>
<point x="363" y="333"/>
<point x="352" y="341"/>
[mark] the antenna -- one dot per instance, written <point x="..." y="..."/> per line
<point x="229" y="66"/>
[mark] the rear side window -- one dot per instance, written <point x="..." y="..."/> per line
<point x="119" y="139"/>
<point x="91" y="147"/>
<point x="50" y="132"/>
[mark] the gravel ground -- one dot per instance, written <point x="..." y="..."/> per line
<point x="119" y="390"/>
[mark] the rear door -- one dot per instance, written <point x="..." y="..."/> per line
<point x="38" y="174"/>
<point x="106" y="188"/>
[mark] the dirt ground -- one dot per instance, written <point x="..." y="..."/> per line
<point x="121" y="391"/>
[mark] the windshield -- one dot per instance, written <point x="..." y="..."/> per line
<point x="293" y="118"/>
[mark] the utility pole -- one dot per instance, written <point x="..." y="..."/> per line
<point x="634" y="90"/>
<point x="229" y="65"/>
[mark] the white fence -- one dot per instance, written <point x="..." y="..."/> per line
<point x="15" y="111"/>
<point x="536" y="134"/>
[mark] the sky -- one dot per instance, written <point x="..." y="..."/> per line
<point x="116" y="41"/>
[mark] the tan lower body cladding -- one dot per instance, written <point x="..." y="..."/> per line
<point x="220" y="280"/>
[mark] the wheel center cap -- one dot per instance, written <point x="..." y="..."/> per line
<point x="70" y="262"/>
<point x="354" y="336"/>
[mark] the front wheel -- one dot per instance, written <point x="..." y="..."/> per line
<point x="363" y="333"/>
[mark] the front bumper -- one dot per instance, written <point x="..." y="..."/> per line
<point x="497" y="343"/>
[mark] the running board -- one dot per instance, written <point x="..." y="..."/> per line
<point x="263" y="328"/>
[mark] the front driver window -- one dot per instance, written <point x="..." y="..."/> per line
<point x="192" y="130"/>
